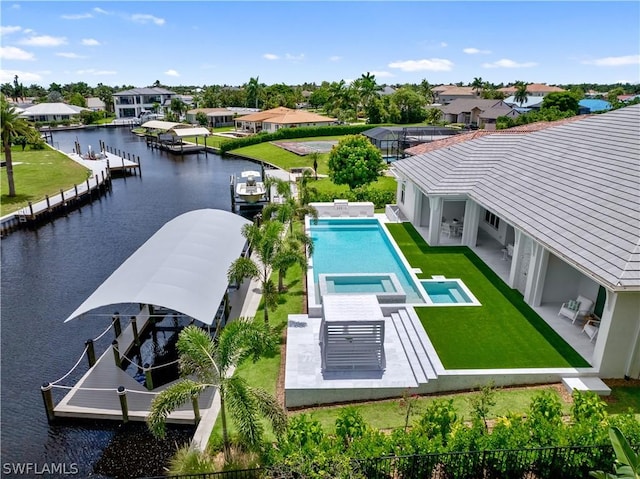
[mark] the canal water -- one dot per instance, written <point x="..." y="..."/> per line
<point x="49" y="271"/>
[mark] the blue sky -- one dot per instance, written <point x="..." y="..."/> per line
<point x="216" y="42"/>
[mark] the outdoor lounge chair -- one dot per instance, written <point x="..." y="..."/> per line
<point x="575" y="309"/>
<point x="591" y="328"/>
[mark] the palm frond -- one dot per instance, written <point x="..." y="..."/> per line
<point x="168" y="401"/>
<point x="242" y="268"/>
<point x="196" y="350"/>
<point x="269" y="408"/>
<point x="244" y="411"/>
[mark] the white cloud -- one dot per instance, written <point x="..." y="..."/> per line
<point x="101" y="11"/>
<point x="270" y="56"/>
<point x="427" y="64"/>
<point x="90" y="42"/>
<point x="443" y="44"/>
<point x="76" y="16"/>
<point x="44" y="41"/>
<point x="93" y="71"/>
<point x="382" y="74"/>
<point x="294" y="58"/>
<point x="172" y="73"/>
<point x="335" y="58"/>
<point x="9" y="29"/>
<point x="146" y="18"/>
<point x="614" y="61"/>
<point x="25" y="77"/>
<point x="15" y="53"/>
<point x="476" y="51"/>
<point x="506" y="63"/>
<point x="69" y="55"/>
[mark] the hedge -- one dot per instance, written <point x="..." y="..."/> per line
<point x="288" y="133"/>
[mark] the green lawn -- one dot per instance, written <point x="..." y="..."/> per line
<point x="38" y="173"/>
<point x="282" y="158"/>
<point x="623" y="398"/>
<point x="325" y="185"/>
<point x="502" y="333"/>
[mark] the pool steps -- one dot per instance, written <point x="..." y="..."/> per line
<point x="414" y="346"/>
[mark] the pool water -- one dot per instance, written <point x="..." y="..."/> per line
<point x="357" y="246"/>
<point x="446" y="292"/>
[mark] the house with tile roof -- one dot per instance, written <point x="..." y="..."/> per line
<point x="280" y="117"/>
<point x="446" y="94"/>
<point x="533" y="89"/>
<point x="476" y="112"/>
<point x="561" y="203"/>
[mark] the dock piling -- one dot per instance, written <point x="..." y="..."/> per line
<point x="91" y="352"/>
<point x="116" y="353"/>
<point x="147" y="376"/>
<point x="122" y="394"/>
<point x="47" y="397"/>
<point x="117" y="327"/>
<point x="134" y="327"/>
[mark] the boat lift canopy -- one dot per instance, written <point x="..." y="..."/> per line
<point x="182" y="267"/>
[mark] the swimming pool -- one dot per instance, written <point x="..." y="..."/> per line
<point x="350" y="246"/>
<point x="448" y="292"/>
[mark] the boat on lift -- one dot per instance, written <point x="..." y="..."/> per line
<point x="252" y="189"/>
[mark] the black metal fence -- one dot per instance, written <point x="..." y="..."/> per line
<point x="542" y="463"/>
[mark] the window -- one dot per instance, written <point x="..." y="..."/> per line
<point x="402" y="188"/>
<point x="492" y="219"/>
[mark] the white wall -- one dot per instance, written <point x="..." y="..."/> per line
<point x="409" y="205"/>
<point x="562" y="282"/>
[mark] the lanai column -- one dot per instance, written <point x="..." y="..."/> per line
<point x="516" y="259"/>
<point x="470" y="224"/>
<point x="435" y="218"/>
<point x="536" y="274"/>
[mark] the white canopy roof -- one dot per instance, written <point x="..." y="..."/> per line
<point x="160" y="125"/>
<point x="182" y="267"/>
<point x="196" y="131"/>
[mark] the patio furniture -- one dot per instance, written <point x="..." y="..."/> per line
<point x="591" y="328"/>
<point x="575" y="309"/>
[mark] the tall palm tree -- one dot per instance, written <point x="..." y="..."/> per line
<point x="210" y="362"/>
<point x="253" y="88"/>
<point x="12" y="127"/>
<point x="367" y="89"/>
<point x="178" y="106"/>
<point x="265" y="240"/>
<point x="427" y="91"/>
<point x="477" y="84"/>
<point x="521" y="93"/>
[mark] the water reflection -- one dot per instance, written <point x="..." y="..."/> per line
<point x="48" y="272"/>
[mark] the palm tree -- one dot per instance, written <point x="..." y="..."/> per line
<point x="178" y="106"/>
<point x="210" y="362"/>
<point x="265" y="241"/>
<point x="12" y="127"/>
<point x="477" y="84"/>
<point x="427" y="91"/>
<point x="521" y="93"/>
<point x="253" y="90"/>
<point x="367" y="89"/>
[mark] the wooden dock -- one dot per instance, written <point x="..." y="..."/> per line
<point x="96" y="395"/>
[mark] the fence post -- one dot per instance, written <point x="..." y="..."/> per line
<point x="91" y="353"/>
<point x="48" y="400"/>
<point x="122" y="394"/>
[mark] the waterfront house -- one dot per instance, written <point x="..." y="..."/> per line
<point x="561" y="204"/>
<point x="281" y="117"/>
<point x="446" y="94"/>
<point x="132" y="103"/>
<point x="52" y="112"/>
<point x="217" y="117"/>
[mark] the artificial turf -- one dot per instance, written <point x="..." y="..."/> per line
<point x="502" y="333"/>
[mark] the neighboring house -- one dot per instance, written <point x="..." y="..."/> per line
<point x="95" y="104"/>
<point x="533" y="89"/>
<point x="52" y="112"/>
<point x="562" y="202"/>
<point x="446" y="94"/>
<point x="217" y="117"/>
<point x="132" y="103"/>
<point x="627" y="98"/>
<point x="281" y="117"/>
<point x="477" y="112"/>
<point x="387" y="90"/>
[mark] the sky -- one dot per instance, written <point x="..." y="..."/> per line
<point x="292" y="42"/>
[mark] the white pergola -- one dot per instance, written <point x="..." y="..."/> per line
<point x="183" y="267"/>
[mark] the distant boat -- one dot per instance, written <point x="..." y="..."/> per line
<point x="251" y="190"/>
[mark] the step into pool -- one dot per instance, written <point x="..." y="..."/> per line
<point x="448" y="292"/>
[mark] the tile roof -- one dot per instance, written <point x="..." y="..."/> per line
<point x="465" y="105"/>
<point x="282" y="115"/>
<point x="532" y="88"/>
<point x="572" y="186"/>
<point x="144" y="91"/>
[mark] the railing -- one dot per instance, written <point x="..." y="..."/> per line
<point x="542" y="463"/>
